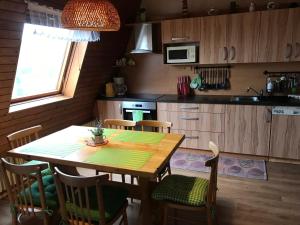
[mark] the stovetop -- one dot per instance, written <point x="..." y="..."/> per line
<point x="134" y="97"/>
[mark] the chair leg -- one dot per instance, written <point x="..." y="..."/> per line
<point x="165" y="215"/>
<point x="123" y="178"/>
<point x="131" y="182"/>
<point x="14" y="219"/>
<point x="211" y="215"/>
<point x="125" y="220"/>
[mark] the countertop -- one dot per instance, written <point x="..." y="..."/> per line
<point x="208" y="99"/>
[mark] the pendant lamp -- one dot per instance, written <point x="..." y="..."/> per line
<point x="90" y="15"/>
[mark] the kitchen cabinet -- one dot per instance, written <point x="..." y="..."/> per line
<point x="247" y="129"/>
<point x="181" y="30"/>
<point x="296" y="34"/>
<point x="275" y="42"/>
<point x="285" y="137"/>
<point x="109" y="110"/>
<point x="230" y="38"/>
<point x="213" y="41"/>
<point x="200" y="123"/>
<point x="243" y="37"/>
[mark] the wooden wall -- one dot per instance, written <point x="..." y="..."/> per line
<point x="96" y="70"/>
<point x="150" y="75"/>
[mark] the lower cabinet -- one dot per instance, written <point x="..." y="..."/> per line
<point x="200" y="123"/>
<point x="109" y="110"/>
<point x="285" y="137"/>
<point x="247" y="129"/>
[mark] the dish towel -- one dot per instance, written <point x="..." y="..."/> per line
<point x="137" y="115"/>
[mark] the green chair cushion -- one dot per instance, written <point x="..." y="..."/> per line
<point x="50" y="193"/>
<point x="35" y="162"/>
<point x="185" y="190"/>
<point x="114" y="198"/>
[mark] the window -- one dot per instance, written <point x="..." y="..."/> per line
<point x="41" y="65"/>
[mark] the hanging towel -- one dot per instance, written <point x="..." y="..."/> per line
<point x="137" y="115"/>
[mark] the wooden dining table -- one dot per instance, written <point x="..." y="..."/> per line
<point x="137" y="153"/>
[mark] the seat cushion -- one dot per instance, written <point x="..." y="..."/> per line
<point x="50" y="193"/>
<point x="190" y="191"/>
<point x="35" y="162"/>
<point x="114" y="198"/>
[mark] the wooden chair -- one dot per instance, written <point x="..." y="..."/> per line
<point x="157" y="126"/>
<point x="29" y="193"/>
<point x="192" y="193"/>
<point x="120" y="124"/>
<point x="89" y="200"/>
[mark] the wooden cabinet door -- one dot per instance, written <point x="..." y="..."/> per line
<point x="285" y="137"/>
<point x="243" y="37"/>
<point x="110" y="110"/>
<point x="296" y="34"/>
<point x="247" y="129"/>
<point x="275" y="42"/>
<point x="213" y="45"/>
<point x="181" y="30"/>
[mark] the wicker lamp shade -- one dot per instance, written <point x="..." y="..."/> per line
<point x="91" y="15"/>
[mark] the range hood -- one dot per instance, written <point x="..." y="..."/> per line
<point x="145" y="38"/>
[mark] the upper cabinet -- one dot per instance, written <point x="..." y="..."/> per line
<point x="296" y="34"/>
<point x="229" y="38"/>
<point x="243" y="37"/>
<point x="280" y="36"/>
<point x="213" y="44"/>
<point x="276" y="36"/>
<point x="181" y="30"/>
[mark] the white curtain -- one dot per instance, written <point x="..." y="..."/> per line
<point x="48" y="17"/>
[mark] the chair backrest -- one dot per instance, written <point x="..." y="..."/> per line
<point x="23" y="137"/>
<point x="74" y="198"/>
<point x="156" y="126"/>
<point x="17" y="180"/>
<point x="213" y="164"/>
<point x="120" y="124"/>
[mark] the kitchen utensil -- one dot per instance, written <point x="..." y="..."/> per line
<point x="109" y="90"/>
<point x="227" y="82"/>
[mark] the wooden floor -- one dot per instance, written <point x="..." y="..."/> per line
<point x="241" y="201"/>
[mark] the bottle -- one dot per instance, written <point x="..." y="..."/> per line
<point x="270" y="86"/>
<point x="252" y="7"/>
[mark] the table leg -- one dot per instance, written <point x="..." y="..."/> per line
<point x="145" y="210"/>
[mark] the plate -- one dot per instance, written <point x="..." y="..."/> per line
<point x="92" y="143"/>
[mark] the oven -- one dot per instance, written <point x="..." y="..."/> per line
<point x="148" y="108"/>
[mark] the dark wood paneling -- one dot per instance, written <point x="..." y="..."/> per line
<point x="96" y="70"/>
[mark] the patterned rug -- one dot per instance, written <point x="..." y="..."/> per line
<point x="245" y="168"/>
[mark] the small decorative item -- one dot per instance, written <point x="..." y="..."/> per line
<point x="98" y="132"/>
<point x="185" y="11"/>
<point x="233" y="7"/>
<point x="272" y="5"/>
<point x="252" y="7"/>
<point x="212" y="12"/>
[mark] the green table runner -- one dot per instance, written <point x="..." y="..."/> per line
<point x="54" y="149"/>
<point x="120" y="157"/>
<point x="139" y="137"/>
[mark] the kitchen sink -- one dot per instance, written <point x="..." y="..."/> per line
<point x="259" y="99"/>
<point x="245" y="99"/>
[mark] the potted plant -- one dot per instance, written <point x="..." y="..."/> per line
<point x="97" y="132"/>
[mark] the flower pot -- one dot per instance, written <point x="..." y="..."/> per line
<point x="98" y="139"/>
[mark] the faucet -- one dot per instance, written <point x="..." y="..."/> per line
<point x="261" y="93"/>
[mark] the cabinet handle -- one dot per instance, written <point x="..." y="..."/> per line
<point x="191" y="108"/>
<point x="121" y="109"/>
<point x="187" y="118"/>
<point x="297" y="50"/>
<point x="232" y="50"/>
<point x="268" y="115"/>
<point x="225" y="53"/>
<point x="179" y="38"/>
<point x="289" y="51"/>
<point x="192" y="137"/>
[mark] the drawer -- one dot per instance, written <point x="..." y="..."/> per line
<point x="207" y="122"/>
<point x="190" y="107"/>
<point x="200" y="140"/>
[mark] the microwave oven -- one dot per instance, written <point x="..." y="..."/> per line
<point x="176" y="54"/>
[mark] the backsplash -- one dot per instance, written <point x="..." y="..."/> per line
<point x="150" y="75"/>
